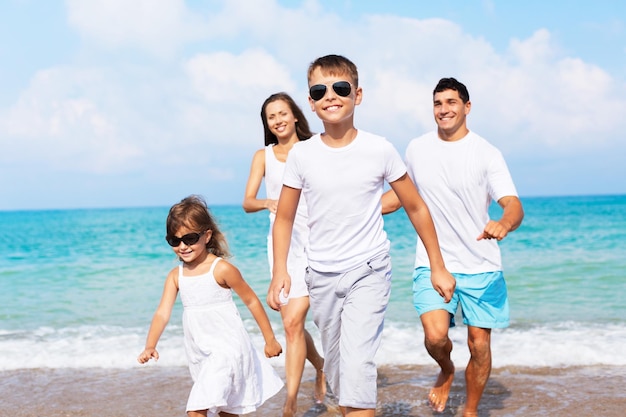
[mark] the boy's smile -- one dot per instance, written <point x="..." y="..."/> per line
<point x="334" y="108"/>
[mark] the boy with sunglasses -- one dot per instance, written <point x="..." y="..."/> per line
<point x="341" y="173"/>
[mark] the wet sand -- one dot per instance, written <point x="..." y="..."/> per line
<point x="162" y="392"/>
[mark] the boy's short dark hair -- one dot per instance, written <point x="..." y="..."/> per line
<point x="335" y="65"/>
<point x="452" y="84"/>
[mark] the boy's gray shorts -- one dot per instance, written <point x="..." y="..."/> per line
<point x="348" y="309"/>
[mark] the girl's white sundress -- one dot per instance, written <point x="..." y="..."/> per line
<point x="228" y="372"/>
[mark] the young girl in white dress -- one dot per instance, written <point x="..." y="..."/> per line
<point x="230" y="376"/>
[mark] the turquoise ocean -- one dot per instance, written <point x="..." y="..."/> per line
<point x="78" y="287"/>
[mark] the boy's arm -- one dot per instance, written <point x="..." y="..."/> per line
<point x="281" y="237"/>
<point x="443" y="282"/>
<point x="511" y="219"/>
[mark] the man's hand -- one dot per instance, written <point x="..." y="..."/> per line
<point x="444" y="283"/>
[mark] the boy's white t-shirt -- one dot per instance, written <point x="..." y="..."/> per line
<point x="343" y="187"/>
<point x="458" y="181"/>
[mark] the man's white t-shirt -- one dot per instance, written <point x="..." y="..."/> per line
<point x="343" y="187"/>
<point x="458" y="181"/>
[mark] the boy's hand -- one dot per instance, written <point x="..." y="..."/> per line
<point x="148" y="354"/>
<point x="279" y="282"/>
<point x="273" y="348"/>
<point x="444" y="283"/>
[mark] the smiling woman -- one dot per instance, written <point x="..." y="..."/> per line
<point x="285" y="125"/>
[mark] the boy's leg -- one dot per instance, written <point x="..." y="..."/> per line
<point x="326" y="313"/>
<point x="367" y="291"/>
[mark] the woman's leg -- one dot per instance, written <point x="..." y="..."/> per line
<point x="317" y="361"/>
<point x="294" y="316"/>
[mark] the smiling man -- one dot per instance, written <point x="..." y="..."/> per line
<point x="458" y="173"/>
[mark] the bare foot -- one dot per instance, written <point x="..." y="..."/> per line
<point x="470" y="413"/>
<point x="438" y="396"/>
<point x="320" y="386"/>
<point x="289" y="410"/>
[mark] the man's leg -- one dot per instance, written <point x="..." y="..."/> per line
<point x="439" y="346"/>
<point x="478" y="368"/>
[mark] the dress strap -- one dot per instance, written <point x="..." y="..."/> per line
<point x="180" y="267"/>
<point x="213" y="265"/>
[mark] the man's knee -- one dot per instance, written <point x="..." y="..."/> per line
<point x="479" y="345"/>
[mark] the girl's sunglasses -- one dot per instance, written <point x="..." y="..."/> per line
<point x="318" y="91"/>
<point x="189" y="239"/>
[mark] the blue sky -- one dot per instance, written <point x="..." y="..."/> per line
<point x="116" y="103"/>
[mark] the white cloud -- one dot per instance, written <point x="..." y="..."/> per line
<point x="158" y="26"/>
<point x="222" y="76"/>
<point x="152" y="118"/>
<point x="59" y="126"/>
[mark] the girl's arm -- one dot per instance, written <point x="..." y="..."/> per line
<point x="161" y="317"/>
<point x="228" y="275"/>
<point x="251" y="203"/>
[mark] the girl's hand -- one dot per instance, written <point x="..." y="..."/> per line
<point x="148" y="354"/>
<point x="273" y="348"/>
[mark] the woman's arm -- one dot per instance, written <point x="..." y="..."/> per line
<point x="251" y="203"/>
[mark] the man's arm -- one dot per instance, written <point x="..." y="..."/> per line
<point x="511" y="219"/>
<point x="390" y="202"/>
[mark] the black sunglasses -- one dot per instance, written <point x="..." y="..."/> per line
<point x="189" y="239"/>
<point x="318" y="91"/>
